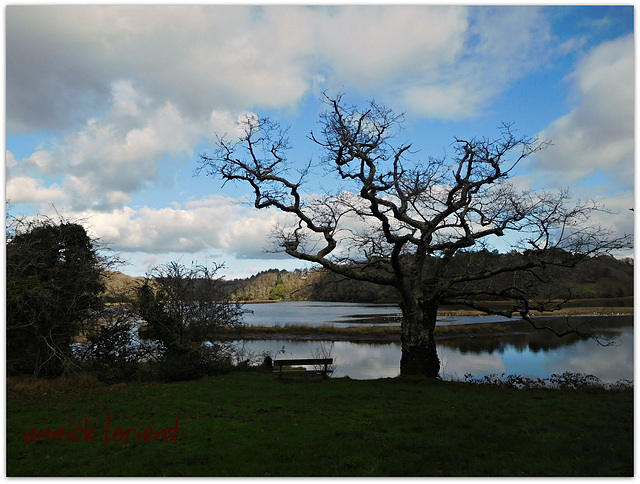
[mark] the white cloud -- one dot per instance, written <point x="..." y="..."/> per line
<point x="41" y="161"/>
<point x="370" y="45"/>
<point x="502" y="44"/>
<point x="111" y="157"/>
<point x="617" y="214"/>
<point x="197" y="57"/>
<point x="9" y="160"/>
<point x="25" y="189"/>
<point x="455" y="101"/>
<point x="216" y="222"/>
<point x="599" y="133"/>
<point x="593" y="145"/>
<point x="126" y="99"/>
<point x="226" y="124"/>
<point x="133" y="87"/>
<point x="65" y="62"/>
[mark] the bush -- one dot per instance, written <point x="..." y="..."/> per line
<point x="574" y="381"/>
<point x="564" y="381"/>
<point x="192" y="363"/>
<point x="183" y="309"/>
<point x="111" y="349"/>
<point x="115" y="372"/>
<point x="518" y="382"/>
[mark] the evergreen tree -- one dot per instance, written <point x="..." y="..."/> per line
<point x="53" y="285"/>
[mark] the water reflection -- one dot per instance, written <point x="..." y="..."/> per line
<point x="534" y="355"/>
<point x="356" y="360"/>
<point x="582" y="355"/>
<point x="525" y="342"/>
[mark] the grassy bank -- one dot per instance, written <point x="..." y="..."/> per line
<point x="252" y="424"/>
<point x="569" y="311"/>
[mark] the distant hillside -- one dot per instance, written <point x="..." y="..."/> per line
<point x="313" y="285"/>
<point x="120" y="287"/>
<point x="601" y="277"/>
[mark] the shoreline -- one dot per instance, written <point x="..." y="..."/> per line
<point x="391" y="334"/>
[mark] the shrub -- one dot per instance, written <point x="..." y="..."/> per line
<point x="564" y="381"/>
<point x="575" y="381"/>
<point x="183" y="309"/>
<point x="190" y="363"/>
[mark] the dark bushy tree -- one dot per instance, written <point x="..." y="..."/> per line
<point x="53" y="286"/>
<point x="400" y="223"/>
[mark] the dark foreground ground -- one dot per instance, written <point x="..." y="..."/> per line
<point x="252" y="424"/>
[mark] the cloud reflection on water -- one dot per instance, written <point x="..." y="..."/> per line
<point x="367" y="361"/>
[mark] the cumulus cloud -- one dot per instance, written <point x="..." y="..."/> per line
<point x="599" y="133"/>
<point x="216" y="222"/>
<point x="25" y="189"/>
<point x="501" y="44"/>
<point x="593" y="144"/>
<point x="370" y="45"/>
<point x="126" y="100"/>
<point x="64" y="63"/>
<point x="113" y="156"/>
<point x="9" y="160"/>
<point x="130" y="86"/>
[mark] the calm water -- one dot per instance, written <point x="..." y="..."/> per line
<point x="536" y="355"/>
<point x="314" y="313"/>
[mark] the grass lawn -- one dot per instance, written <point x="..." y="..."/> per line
<point x="252" y="424"/>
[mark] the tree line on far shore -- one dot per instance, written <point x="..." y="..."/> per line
<point x="601" y="277"/>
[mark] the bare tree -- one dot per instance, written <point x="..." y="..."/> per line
<point x="420" y="227"/>
<point x="184" y="308"/>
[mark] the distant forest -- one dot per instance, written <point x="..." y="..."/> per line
<point x="600" y="277"/>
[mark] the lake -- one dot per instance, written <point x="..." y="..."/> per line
<point x="339" y="314"/>
<point x="538" y="354"/>
<point x="314" y="313"/>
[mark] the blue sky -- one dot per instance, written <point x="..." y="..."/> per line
<point x="108" y="107"/>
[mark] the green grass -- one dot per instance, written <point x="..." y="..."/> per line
<point x="252" y="424"/>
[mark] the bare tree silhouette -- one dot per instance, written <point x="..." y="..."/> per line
<point x="421" y="227"/>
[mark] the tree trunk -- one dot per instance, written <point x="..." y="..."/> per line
<point x="419" y="356"/>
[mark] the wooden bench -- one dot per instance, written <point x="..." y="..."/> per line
<point x="280" y="364"/>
